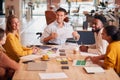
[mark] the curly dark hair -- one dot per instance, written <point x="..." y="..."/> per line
<point x="101" y="18"/>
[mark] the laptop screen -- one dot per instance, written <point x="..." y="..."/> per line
<point x="86" y="37"/>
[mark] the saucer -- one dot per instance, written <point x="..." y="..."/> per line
<point x="45" y="59"/>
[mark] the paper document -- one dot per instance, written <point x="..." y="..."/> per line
<point x="52" y="75"/>
<point x="62" y="33"/>
<point x="30" y="57"/>
<point x="88" y="54"/>
<point x="94" y="69"/>
<point x="89" y="63"/>
<point x="42" y="66"/>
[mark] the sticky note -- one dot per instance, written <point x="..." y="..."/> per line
<point x="80" y="62"/>
<point x="83" y="62"/>
<point x="64" y="59"/>
<point x="59" y="59"/>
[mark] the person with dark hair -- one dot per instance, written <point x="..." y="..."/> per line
<point x="101" y="18"/>
<point x="61" y="10"/>
<point x="112" y="57"/>
<point x="58" y="31"/>
<point x="7" y="65"/>
<point x="100" y="44"/>
<point x="13" y="46"/>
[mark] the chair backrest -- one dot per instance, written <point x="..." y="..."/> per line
<point x="50" y="16"/>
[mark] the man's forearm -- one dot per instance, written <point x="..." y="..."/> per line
<point x="47" y="39"/>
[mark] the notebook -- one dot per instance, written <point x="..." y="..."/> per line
<point x="53" y="76"/>
<point x="42" y="66"/>
<point x="92" y="70"/>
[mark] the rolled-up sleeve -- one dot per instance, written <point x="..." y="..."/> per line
<point x="45" y="34"/>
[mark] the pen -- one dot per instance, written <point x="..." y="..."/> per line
<point x="81" y="43"/>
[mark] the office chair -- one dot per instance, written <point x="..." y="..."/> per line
<point x="50" y="17"/>
<point x="40" y="34"/>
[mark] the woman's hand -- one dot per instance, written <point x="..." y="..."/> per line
<point x="35" y="50"/>
<point x="94" y="59"/>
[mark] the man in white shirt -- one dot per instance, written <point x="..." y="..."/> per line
<point x="101" y="44"/>
<point x="58" y="31"/>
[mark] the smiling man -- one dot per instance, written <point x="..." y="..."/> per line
<point x="100" y="45"/>
<point x="58" y="31"/>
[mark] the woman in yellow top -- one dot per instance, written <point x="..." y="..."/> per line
<point x="112" y="56"/>
<point x="13" y="47"/>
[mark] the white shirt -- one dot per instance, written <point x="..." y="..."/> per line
<point x="63" y="33"/>
<point x="100" y="45"/>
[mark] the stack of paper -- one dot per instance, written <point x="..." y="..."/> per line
<point x="52" y="75"/>
<point x="93" y="69"/>
<point x="88" y="54"/>
<point x="30" y="57"/>
<point x="42" y="66"/>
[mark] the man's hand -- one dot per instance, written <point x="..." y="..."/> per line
<point x="84" y="48"/>
<point x="76" y="35"/>
<point x="53" y="35"/>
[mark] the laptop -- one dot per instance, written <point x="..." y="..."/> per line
<point x="86" y="37"/>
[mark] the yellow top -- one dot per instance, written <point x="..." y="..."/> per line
<point x="13" y="47"/>
<point x="112" y="57"/>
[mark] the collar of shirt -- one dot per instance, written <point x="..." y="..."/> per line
<point x="56" y="23"/>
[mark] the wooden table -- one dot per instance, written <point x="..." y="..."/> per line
<point x="73" y="73"/>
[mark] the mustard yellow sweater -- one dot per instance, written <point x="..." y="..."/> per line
<point x="112" y="57"/>
<point x="13" y="47"/>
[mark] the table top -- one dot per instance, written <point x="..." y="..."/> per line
<point x="73" y="73"/>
